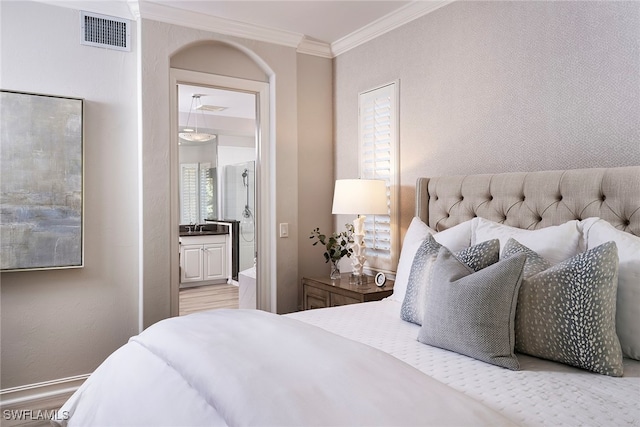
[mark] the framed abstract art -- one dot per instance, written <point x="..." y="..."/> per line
<point x="41" y="181"/>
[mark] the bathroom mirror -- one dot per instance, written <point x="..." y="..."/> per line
<point x="217" y="161"/>
<point x="198" y="182"/>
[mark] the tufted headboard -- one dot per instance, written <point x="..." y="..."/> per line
<point x="533" y="200"/>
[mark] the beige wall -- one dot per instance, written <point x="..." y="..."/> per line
<point x="159" y="41"/>
<point x="510" y="85"/>
<point x="58" y="324"/>
<point x="62" y="323"/>
<point x="315" y="159"/>
<point x="501" y="86"/>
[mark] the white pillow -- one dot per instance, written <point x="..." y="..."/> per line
<point x="555" y="244"/>
<point x="455" y="238"/>
<point x="416" y="233"/>
<point x="628" y="300"/>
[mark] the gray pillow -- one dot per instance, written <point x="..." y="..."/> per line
<point x="477" y="257"/>
<point x="473" y="313"/>
<point x="566" y="312"/>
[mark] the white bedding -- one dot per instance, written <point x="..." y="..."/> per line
<point x="248" y="367"/>
<point x="540" y="393"/>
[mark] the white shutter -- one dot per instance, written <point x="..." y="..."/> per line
<point x="189" y="193"/>
<point x="197" y="193"/>
<point x="378" y="160"/>
<point x="205" y="186"/>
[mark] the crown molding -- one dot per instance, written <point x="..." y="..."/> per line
<point x="119" y="9"/>
<point x="314" y="47"/>
<point x="404" y="15"/>
<point x="136" y="9"/>
<point x="184" y="18"/>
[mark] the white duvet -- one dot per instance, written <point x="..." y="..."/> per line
<point x="248" y="367"/>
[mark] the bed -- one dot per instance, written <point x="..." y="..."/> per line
<point x="407" y="360"/>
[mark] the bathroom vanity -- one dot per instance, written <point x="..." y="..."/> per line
<point x="207" y="253"/>
<point x="204" y="255"/>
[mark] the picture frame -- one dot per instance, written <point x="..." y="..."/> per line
<point x="41" y="181"/>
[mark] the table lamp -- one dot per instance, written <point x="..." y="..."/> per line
<point x="359" y="197"/>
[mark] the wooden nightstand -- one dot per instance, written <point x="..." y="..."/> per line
<point x="324" y="292"/>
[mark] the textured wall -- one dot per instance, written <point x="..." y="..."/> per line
<point x="315" y="160"/>
<point x="502" y="86"/>
<point x="159" y="41"/>
<point x="63" y="323"/>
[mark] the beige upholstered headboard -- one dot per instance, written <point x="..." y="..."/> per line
<point x="533" y="200"/>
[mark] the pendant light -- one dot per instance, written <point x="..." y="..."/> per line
<point x="189" y="134"/>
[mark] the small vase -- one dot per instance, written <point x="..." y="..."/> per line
<point x="335" y="270"/>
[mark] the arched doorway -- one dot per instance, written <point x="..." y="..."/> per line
<point x="265" y="268"/>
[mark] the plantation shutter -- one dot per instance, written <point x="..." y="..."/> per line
<point x="378" y="160"/>
<point x="189" y="193"/>
<point x="205" y="186"/>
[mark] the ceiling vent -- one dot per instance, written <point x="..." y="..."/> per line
<point x="105" y="31"/>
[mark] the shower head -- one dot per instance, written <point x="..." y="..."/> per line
<point x="245" y="179"/>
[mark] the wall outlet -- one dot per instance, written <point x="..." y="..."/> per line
<point x="284" y="229"/>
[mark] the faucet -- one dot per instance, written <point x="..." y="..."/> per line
<point x="201" y="226"/>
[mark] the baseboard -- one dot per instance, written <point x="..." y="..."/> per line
<point x="44" y="396"/>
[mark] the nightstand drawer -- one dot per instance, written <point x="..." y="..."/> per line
<point x="324" y="292"/>
<point x="315" y="298"/>
<point x="342" y="300"/>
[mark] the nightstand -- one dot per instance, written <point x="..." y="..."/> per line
<point x="324" y="292"/>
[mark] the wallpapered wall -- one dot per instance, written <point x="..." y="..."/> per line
<point x="501" y="86"/>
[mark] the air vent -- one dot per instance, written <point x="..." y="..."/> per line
<point x="214" y="108"/>
<point x="105" y="31"/>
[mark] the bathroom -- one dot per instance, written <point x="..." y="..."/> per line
<point x="217" y="181"/>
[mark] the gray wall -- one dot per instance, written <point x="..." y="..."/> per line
<point x="502" y="86"/>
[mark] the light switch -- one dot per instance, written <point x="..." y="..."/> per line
<point x="284" y="229"/>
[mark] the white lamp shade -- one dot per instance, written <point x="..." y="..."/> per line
<point x="360" y="196"/>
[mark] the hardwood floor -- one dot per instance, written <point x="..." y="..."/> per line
<point x="208" y="297"/>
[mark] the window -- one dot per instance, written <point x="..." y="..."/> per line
<point x="197" y="192"/>
<point x="378" y="118"/>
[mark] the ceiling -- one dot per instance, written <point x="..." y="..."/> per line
<point x="236" y="104"/>
<point x="323" y="20"/>
<point x="324" y="28"/>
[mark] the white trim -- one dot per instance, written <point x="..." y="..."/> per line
<point x="118" y="9"/>
<point x="52" y="394"/>
<point x="132" y="9"/>
<point x="184" y="18"/>
<point x="393" y="20"/>
<point x="265" y="173"/>
<point x="314" y="47"/>
<point x="140" y="188"/>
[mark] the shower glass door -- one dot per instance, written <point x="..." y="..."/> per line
<point x="239" y="204"/>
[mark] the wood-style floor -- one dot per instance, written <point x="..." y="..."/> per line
<point x="207" y="297"/>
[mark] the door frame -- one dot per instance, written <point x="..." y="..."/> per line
<point x="265" y="182"/>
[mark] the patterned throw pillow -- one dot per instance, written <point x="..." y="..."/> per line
<point x="567" y="312"/>
<point x="476" y="257"/>
<point x="473" y="313"/>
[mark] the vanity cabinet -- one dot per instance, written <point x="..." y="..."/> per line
<point x="204" y="259"/>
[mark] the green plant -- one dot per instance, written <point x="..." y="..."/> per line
<point x="336" y="245"/>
